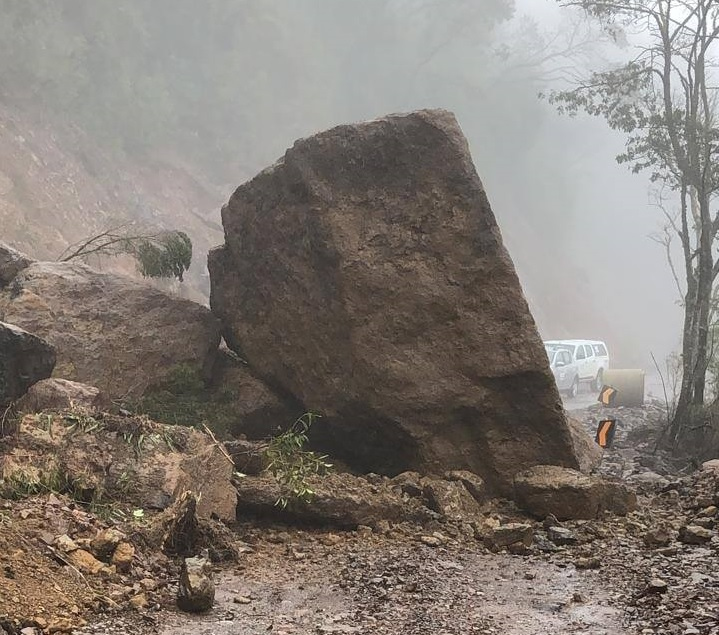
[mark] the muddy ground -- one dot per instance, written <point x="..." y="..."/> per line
<point x="640" y="574"/>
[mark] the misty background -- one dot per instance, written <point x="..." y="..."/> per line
<point x="156" y="110"/>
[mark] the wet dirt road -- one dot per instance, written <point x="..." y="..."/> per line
<point x="406" y="589"/>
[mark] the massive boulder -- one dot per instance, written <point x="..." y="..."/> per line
<point x="109" y="331"/>
<point x="24" y="360"/>
<point x="364" y="273"/>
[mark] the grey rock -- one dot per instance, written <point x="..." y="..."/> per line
<point x="196" y="592"/>
<point x="25" y="359"/>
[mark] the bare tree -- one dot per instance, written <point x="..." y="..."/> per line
<point x="165" y="254"/>
<point x="664" y="100"/>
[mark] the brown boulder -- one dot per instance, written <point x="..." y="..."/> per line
<point x="57" y="394"/>
<point x="450" y="499"/>
<point x="340" y="499"/>
<point x="475" y="484"/>
<point x="12" y="262"/>
<point x="503" y="536"/>
<point x="115" y="333"/>
<point x="365" y="275"/>
<point x="569" y="494"/>
<point x="24" y="359"/>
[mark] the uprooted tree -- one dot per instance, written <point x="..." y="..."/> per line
<point x="664" y="99"/>
<point x="166" y="254"/>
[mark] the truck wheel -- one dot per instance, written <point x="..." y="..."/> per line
<point x="574" y="390"/>
<point x="599" y="381"/>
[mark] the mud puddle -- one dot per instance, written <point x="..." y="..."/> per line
<point x="410" y="589"/>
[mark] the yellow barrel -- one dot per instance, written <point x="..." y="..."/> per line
<point x="629" y="384"/>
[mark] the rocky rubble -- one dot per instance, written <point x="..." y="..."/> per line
<point x="105" y="457"/>
<point x="481" y="567"/>
<point x="60" y="564"/>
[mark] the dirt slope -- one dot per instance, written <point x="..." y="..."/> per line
<point x="57" y="186"/>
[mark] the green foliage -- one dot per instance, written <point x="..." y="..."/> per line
<point x="291" y="464"/>
<point x="164" y="255"/>
<point x="168" y="256"/>
<point x="182" y="398"/>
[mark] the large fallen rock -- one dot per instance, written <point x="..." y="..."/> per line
<point x="568" y="494"/>
<point x="109" y="331"/>
<point x="339" y="499"/>
<point x="24" y="360"/>
<point x="58" y="394"/>
<point x="111" y="458"/>
<point x="12" y="262"/>
<point x="365" y="275"/>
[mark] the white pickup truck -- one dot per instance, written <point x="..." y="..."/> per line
<point x="575" y="361"/>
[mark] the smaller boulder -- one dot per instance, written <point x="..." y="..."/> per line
<point x="694" y="535"/>
<point x="339" y="499"/>
<point x="561" y="536"/>
<point x="86" y="562"/>
<point x="12" y="262"/>
<point x="504" y="536"/>
<point x="122" y="557"/>
<point x="569" y="494"/>
<point x="24" y="360"/>
<point x="103" y="545"/>
<point x="58" y="394"/>
<point x="408" y="483"/>
<point x="451" y="499"/>
<point x="588" y="453"/>
<point x="196" y="592"/>
<point x="475" y="484"/>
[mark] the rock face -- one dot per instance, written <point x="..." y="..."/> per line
<point x="568" y="494"/>
<point x="24" y="360"/>
<point x="365" y="275"/>
<point x="109" y="331"/>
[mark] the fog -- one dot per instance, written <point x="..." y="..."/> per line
<point x="226" y="85"/>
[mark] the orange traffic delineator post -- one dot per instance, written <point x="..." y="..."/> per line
<point x="606" y="430"/>
<point x="607" y="395"/>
